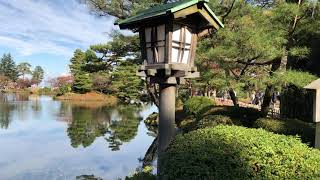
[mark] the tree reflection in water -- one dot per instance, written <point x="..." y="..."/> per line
<point x="124" y="128"/>
<point x="88" y="122"/>
<point x="85" y="127"/>
<point x="6" y="109"/>
<point x="88" y="177"/>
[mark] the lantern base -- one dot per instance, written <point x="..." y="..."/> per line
<point x="168" y="73"/>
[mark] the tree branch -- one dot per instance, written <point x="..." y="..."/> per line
<point x="256" y="63"/>
<point x="228" y="12"/>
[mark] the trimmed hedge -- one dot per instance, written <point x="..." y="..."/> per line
<point x="239" y="115"/>
<point x="198" y="105"/>
<point x="213" y="120"/>
<point x="288" y="127"/>
<point x="233" y="152"/>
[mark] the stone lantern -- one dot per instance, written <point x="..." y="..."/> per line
<point x="168" y="37"/>
<point x="314" y="88"/>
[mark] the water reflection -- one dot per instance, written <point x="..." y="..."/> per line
<point x="65" y="140"/>
<point x="88" y="177"/>
<point x="124" y="127"/>
<point x="85" y="127"/>
<point x="19" y="105"/>
<point x="6" y="109"/>
<point x="116" y="124"/>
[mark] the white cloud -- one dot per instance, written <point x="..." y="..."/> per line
<point x="52" y="27"/>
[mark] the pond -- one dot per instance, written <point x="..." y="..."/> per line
<point x="45" y="139"/>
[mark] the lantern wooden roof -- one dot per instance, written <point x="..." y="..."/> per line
<point x="314" y="85"/>
<point x="175" y="10"/>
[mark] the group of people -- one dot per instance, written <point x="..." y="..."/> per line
<point x="257" y="97"/>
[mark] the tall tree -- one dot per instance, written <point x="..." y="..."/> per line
<point x="82" y="79"/>
<point x="244" y="47"/>
<point x="258" y="40"/>
<point x="37" y="74"/>
<point x="300" y="21"/>
<point x="8" y="67"/>
<point x="126" y="45"/>
<point x="126" y="85"/>
<point x="77" y="61"/>
<point x="23" y="69"/>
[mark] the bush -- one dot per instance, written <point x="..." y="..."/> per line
<point x="242" y="115"/>
<point x="233" y="152"/>
<point x="288" y="127"/>
<point x="144" y="174"/>
<point x="197" y="105"/>
<point x="64" y="89"/>
<point x="213" y="120"/>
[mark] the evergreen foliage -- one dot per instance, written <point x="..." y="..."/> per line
<point x="288" y="127"/>
<point x="233" y="152"/>
<point x="37" y="74"/>
<point x="109" y="68"/>
<point x="197" y="105"/>
<point x="125" y="83"/>
<point x="82" y="79"/>
<point x="8" y="67"/>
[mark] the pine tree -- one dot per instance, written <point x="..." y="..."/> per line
<point x="23" y="69"/>
<point x="37" y="74"/>
<point x="82" y="79"/>
<point x="125" y="83"/>
<point x="8" y="67"/>
<point x="258" y="40"/>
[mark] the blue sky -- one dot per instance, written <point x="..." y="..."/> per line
<point x="46" y="32"/>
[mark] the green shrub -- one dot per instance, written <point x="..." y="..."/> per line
<point x="288" y="127"/>
<point x="64" y="89"/>
<point x="213" y="120"/>
<point x="234" y="152"/>
<point x="239" y="115"/>
<point x="198" y="105"/>
<point x="144" y="174"/>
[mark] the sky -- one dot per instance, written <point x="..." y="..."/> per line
<point x="46" y="32"/>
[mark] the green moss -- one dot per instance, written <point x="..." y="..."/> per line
<point x="233" y="152"/>
<point x="288" y="127"/>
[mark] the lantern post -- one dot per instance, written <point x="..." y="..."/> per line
<point x="168" y="38"/>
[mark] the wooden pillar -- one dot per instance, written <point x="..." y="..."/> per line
<point x="316" y="117"/>
<point x="317" y="136"/>
<point x="167" y="127"/>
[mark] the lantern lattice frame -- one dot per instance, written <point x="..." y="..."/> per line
<point x="168" y="38"/>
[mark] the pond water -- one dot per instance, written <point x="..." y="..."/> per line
<point x="45" y="139"/>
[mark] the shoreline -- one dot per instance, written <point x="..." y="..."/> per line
<point x="90" y="96"/>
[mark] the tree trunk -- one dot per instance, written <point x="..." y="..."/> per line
<point x="270" y="88"/>
<point x="267" y="100"/>
<point x="151" y="153"/>
<point x="233" y="97"/>
<point x="153" y="93"/>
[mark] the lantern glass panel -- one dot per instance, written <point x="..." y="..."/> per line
<point x="181" y="44"/>
<point x="155" y="43"/>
